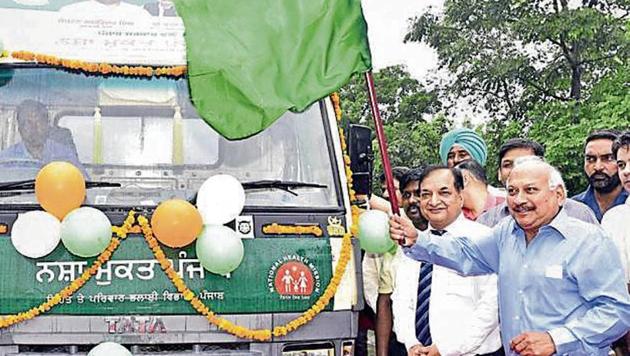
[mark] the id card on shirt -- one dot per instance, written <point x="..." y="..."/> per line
<point x="553" y="271"/>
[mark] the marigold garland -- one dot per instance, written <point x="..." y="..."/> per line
<point x="76" y="284"/>
<point x="278" y="229"/>
<point x="101" y="68"/>
<point x="128" y="226"/>
<point x="189" y="295"/>
<point x="305" y="317"/>
<point x="346" y="245"/>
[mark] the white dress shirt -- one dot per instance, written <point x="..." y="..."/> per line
<point x="615" y="223"/>
<point x="463" y="311"/>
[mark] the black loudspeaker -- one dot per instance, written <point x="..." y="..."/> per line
<point x="361" y="158"/>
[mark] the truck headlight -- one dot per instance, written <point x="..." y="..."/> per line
<point x="347" y="348"/>
<point x="319" y="349"/>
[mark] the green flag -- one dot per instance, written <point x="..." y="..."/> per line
<point x="249" y="61"/>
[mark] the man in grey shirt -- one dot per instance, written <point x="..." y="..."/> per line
<point x="508" y="153"/>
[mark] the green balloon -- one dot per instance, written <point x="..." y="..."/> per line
<point x="86" y="232"/>
<point x="219" y="249"/>
<point x="374" y="232"/>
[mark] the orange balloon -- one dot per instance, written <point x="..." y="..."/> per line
<point x="60" y="188"/>
<point x="176" y="223"/>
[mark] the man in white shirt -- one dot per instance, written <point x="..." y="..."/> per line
<point x="615" y="220"/>
<point x="377" y="272"/>
<point x="436" y="311"/>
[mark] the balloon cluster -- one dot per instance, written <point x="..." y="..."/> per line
<point x="60" y="190"/>
<point x="86" y="232"/>
<point x="177" y="223"/>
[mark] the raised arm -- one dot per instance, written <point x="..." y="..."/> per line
<point x="464" y="255"/>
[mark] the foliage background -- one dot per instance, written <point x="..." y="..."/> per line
<point x="551" y="71"/>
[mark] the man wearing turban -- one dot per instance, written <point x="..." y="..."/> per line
<point x="462" y="145"/>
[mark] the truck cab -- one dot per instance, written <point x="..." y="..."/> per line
<point x="138" y="142"/>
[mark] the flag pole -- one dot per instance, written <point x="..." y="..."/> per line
<point x="382" y="143"/>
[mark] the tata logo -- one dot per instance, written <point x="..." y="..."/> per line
<point x="293" y="277"/>
<point x="135" y="325"/>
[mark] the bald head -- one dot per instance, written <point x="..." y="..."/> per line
<point x="535" y="162"/>
<point x="536" y="193"/>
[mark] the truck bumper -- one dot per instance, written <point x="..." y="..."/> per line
<point x="192" y="333"/>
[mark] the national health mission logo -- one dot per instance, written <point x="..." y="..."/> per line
<point x="293" y="277"/>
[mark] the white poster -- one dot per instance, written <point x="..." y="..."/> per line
<point x="99" y="31"/>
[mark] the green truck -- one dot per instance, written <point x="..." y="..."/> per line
<point x="138" y="142"/>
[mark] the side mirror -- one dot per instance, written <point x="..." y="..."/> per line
<point x="361" y="158"/>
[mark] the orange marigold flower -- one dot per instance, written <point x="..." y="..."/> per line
<point x="171" y="274"/>
<point x="165" y="264"/>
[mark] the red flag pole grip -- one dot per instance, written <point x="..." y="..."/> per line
<point x="382" y="143"/>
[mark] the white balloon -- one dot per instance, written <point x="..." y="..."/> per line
<point x="220" y="199"/>
<point x="36" y="233"/>
<point x="109" y="349"/>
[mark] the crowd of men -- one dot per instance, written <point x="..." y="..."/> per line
<point x="517" y="270"/>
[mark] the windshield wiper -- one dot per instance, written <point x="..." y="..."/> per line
<point x="27" y="186"/>
<point x="281" y="184"/>
<point x="274" y="184"/>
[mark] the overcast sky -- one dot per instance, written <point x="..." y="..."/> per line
<point x="387" y="25"/>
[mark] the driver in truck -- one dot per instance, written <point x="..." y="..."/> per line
<point x="40" y="142"/>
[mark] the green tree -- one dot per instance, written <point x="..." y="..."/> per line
<point x="562" y="126"/>
<point x="411" y="116"/>
<point x="550" y="70"/>
<point x="508" y="56"/>
<point x="607" y="108"/>
<point x="401" y="98"/>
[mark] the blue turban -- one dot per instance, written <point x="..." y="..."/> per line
<point x="469" y="140"/>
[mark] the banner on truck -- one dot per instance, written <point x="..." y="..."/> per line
<point x="100" y="31"/>
<point x="276" y="275"/>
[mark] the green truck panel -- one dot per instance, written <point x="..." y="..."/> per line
<point x="276" y="275"/>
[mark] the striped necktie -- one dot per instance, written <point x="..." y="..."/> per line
<point x="423" y="332"/>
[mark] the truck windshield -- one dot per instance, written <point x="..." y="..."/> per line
<point x="146" y="135"/>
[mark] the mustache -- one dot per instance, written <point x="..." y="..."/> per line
<point x="599" y="175"/>
<point x="413" y="205"/>
<point x="522" y="208"/>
